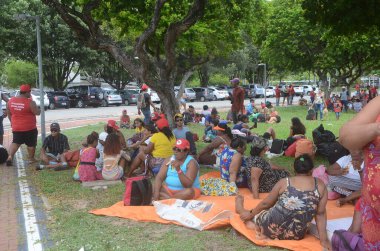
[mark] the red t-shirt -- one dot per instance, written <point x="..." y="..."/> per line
<point x="238" y="100"/>
<point x="23" y="118"/>
<point x="291" y="90"/>
<point x="278" y="92"/>
<point x="312" y="94"/>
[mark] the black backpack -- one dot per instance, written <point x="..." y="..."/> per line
<point x="320" y="135"/>
<point x="336" y="151"/>
<point x="277" y="146"/>
<point x="310" y="114"/>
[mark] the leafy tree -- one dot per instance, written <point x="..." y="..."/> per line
<point x="170" y="38"/>
<point x="19" y="72"/>
<point x="344" y="17"/>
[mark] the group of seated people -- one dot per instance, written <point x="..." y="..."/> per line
<point x="172" y="157"/>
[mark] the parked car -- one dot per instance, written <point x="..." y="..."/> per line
<point x="269" y="92"/>
<point x="190" y="93"/>
<point x="153" y="96"/>
<point x="257" y="91"/>
<point x="35" y="93"/>
<point x="298" y="90"/>
<point x="85" y="95"/>
<point x="203" y="94"/>
<point x="308" y="88"/>
<point x="58" y="99"/>
<point x="111" y="97"/>
<point x="129" y="96"/>
<point x="219" y="93"/>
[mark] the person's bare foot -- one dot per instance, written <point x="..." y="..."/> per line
<point x="239" y="204"/>
<point x="340" y="202"/>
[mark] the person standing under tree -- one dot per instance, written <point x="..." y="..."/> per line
<point x="2" y="116"/>
<point x="278" y="95"/>
<point x="22" y="111"/>
<point x="143" y="104"/>
<point x="237" y="100"/>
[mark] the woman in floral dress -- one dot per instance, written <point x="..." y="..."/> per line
<point x="261" y="175"/>
<point x="233" y="164"/>
<point x="288" y="210"/>
<point x="361" y="136"/>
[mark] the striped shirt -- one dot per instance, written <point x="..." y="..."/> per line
<point x="55" y="145"/>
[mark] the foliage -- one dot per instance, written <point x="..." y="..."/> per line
<point x="19" y="72"/>
<point x="344" y="17"/>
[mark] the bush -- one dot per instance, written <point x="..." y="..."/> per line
<point x="19" y="72"/>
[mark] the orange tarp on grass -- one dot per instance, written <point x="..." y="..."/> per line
<point x="148" y="214"/>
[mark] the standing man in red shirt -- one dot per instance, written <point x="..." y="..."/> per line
<point x="237" y="100"/>
<point x="312" y="95"/>
<point x="278" y="95"/>
<point x="291" y="94"/>
<point x="22" y="111"/>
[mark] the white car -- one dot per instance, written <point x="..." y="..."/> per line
<point x="35" y="93"/>
<point x="111" y="97"/>
<point x="308" y="88"/>
<point x="153" y="96"/>
<point x="269" y="92"/>
<point x="219" y="93"/>
<point x="258" y="91"/>
<point x="298" y="90"/>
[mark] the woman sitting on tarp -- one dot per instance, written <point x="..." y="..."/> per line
<point x="210" y="154"/>
<point x="297" y="131"/>
<point x="286" y="213"/>
<point x="180" y="173"/>
<point x="261" y="175"/>
<point x="233" y="164"/>
<point x="159" y="148"/>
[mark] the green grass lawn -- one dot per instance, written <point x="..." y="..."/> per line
<point x="72" y="227"/>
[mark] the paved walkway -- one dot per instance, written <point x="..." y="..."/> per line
<point x="11" y="229"/>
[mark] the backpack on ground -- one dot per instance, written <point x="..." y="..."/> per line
<point x="310" y="114"/>
<point x="304" y="146"/>
<point x="332" y="150"/>
<point x="320" y="135"/>
<point x="141" y="103"/>
<point x="343" y="240"/>
<point x="138" y="191"/>
<point x="277" y="146"/>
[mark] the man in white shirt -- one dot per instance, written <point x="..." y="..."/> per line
<point x="345" y="179"/>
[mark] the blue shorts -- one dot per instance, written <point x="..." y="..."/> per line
<point x="1" y="126"/>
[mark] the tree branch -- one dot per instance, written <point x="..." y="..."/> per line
<point x="176" y="29"/>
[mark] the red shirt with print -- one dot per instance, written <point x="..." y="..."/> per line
<point x="23" y="119"/>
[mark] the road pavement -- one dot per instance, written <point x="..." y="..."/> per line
<point x="90" y="113"/>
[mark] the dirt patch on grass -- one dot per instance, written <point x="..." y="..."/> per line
<point x="79" y="204"/>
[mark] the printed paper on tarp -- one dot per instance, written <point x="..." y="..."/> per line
<point x="191" y="213"/>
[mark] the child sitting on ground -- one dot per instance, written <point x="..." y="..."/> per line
<point x="125" y="121"/>
<point x="87" y="169"/>
<point x="302" y="101"/>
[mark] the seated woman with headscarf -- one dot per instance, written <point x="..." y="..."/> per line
<point x="180" y="173"/>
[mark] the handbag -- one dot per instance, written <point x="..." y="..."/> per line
<point x="138" y="191"/>
<point x="343" y="240"/>
<point x="277" y="146"/>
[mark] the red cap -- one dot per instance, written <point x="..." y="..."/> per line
<point x="156" y="116"/>
<point x="144" y="87"/>
<point x="25" y="88"/>
<point x="182" y="144"/>
<point x="112" y="123"/>
<point x="161" y="123"/>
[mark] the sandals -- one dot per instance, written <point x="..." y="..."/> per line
<point x="9" y="162"/>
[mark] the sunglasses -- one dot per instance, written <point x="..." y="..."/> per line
<point x="53" y="130"/>
<point x="179" y="150"/>
<point x="177" y="120"/>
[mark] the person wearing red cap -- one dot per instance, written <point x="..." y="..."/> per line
<point x="144" y="102"/>
<point x="112" y="127"/>
<point x="159" y="148"/>
<point x="237" y="100"/>
<point x="125" y="120"/>
<point x="180" y="173"/>
<point x="22" y="111"/>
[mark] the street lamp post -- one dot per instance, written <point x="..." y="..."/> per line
<point x="264" y="81"/>
<point x="40" y="79"/>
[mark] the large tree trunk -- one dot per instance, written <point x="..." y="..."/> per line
<point x="169" y="103"/>
<point x="203" y="74"/>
